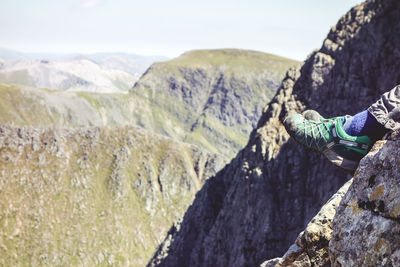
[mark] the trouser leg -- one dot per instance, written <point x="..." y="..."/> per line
<point x="387" y="109"/>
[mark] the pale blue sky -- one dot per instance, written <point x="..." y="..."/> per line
<point x="290" y="28"/>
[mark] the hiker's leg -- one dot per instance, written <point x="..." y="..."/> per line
<point x="345" y="140"/>
<point x="328" y="137"/>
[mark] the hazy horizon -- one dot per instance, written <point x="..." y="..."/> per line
<point x="286" y="28"/>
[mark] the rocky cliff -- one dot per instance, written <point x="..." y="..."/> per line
<point x="92" y="196"/>
<point x="257" y="205"/>
<point x="367" y="222"/>
<point x="311" y="246"/>
<point x="359" y="226"/>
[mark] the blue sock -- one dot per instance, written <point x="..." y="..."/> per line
<point x="364" y="123"/>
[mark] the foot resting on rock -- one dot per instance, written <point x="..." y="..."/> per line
<point x="328" y="137"/>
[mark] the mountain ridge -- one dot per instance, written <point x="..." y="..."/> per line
<point x="224" y="88"/>
<point x="223" y="111"/>
<point x="99" y="72"/>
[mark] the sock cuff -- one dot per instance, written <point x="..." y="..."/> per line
<point x="364" y="123"/>
<point x="372" y="127"/>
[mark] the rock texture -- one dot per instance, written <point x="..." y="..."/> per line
<point x="255" y="207"/>
<point x="359" y="226"/>
<point x="366" y="228"/>
<point x="92" y="196"/>
<point x="311" y="247"/>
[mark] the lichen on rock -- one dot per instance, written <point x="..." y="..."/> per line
<point x="367" y="224"/>
<point x="311" y="246"/>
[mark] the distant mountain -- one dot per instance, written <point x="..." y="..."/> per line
<point x="129" y="63"/>
<point x="107" y="195"/>
<point x="72" y="75"/>
<point x="101" y="72"/>
<point x="8" y="54"/>
<point x="217" y="94"/>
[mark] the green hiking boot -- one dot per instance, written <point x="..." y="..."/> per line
<point x="328" y="137"/>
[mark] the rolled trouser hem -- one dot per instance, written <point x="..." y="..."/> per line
<point x="386" y="119"/>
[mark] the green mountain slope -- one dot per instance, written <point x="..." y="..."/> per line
<point x="218" y="94"/>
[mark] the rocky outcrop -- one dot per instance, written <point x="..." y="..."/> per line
<point x="311" y="246"/>
<point x="367" y="224"/>
<point x="256" y="206"/>
<point x="359" y="226"/>
<point x="92" y="196"/>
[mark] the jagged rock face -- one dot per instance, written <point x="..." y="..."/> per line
<point x="256" y="206"/>
<point x="94" y="196"/>
<point x="367" y="224"/>
<point x="359" y="225"/>
<point x="311" y="246"/>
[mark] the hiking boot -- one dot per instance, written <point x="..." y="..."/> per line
<point x="327" y="136"/>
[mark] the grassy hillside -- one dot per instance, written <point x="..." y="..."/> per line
<point x="94" y="196"/>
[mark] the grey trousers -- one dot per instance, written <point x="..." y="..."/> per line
<point x="387" y="109"/>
